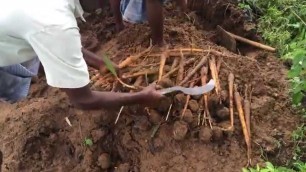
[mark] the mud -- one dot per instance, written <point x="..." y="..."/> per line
<point x="34" y="135"/>
<point x="155" y="117"/>
<point x="205" y="134"/>
<point x="104" y="161"/>
<point x="165" y="83"/>
<point x="223" y="114"/>
<point x="180" y="130"/>
<point x="188" y="116"/>
<point x="193" y="105"/>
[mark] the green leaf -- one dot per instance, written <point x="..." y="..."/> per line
<point x="299" y="54"/>
<point x="295" y="71"/>
<point x="88" y="142"/>
<point x="300" y="165"/>
<point x="269" y="165"/>
<point x="297" y="98"/>
<point x="304" y="63"/>
<point x="245" y="170"/>
<point x="296" y="25"/>
<point x="109" y="65"/>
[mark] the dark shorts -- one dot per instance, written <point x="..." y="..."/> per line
<point x="134" y="11"/>
<point x="15" y="80"/>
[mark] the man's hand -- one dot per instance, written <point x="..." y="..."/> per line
<point x="151" y="96"/>
<point x="103" y="68"/>
<point x="97" y="62"/>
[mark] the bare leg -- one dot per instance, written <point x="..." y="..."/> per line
<point x="182" y="5"/>
<point x="156" y="20"/>
<point x="115" y="6"/>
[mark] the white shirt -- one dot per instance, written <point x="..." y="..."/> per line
<point x="47" y="29"/>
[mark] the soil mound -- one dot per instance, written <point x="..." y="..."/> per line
<point x="34" y="134"/>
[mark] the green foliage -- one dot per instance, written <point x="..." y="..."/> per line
<point x="88" y="142"/>
<point x="282" y="24"/>
<point x="244" y="6"/>
<point x="298" y="167"/>
<point x="299" y="138"/>
<point x="109" y="65"/>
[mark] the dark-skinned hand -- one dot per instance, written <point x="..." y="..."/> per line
<point x="151" y="96"/>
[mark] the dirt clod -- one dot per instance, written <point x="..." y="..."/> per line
<point x="88" y="158"/>
<point x="224" y="96"/>
<point x="205" y="134"/>
<point x="217" y="134"/>
<point x="166" y="82"/>
<point x="97" y="134"/>
<point x="155" y="116"/>
<point x="269" y="144"/>
<point x="142" y="123"/>
<point x="104" y="161"/>
<point x="164" y="105"/>
<point x="259" y="89"/>
<point x="193" y="105"/>
<point x="224" y="124"/>
<point x="262" y="105"/>
<point x="223" y="114"/>
<point x="180" y="130"/>
<point x="158" y="144"/>
<point x="213" y="103"/>
<point x="196" y="97"/>
<point x="180" y="99"/>
<point x="188" y="116"/>
<point x="123" y="168"/>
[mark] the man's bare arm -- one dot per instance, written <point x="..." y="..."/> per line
<point x="84" y="98"/>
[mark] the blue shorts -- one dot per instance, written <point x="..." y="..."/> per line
<point x="15" y="80"/>
<point x="134" y="11"/>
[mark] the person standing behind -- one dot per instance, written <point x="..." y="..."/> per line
<point x="138" y="11"/>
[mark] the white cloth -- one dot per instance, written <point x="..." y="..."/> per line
<point x="47" y="29"/>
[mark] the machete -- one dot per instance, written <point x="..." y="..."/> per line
<point x="191" y="91"/>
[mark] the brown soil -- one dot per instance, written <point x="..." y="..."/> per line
<point x="205" y="134"/>
<point x="104" y="161"/>
<point x="180" y="130"/>
<point x="34" y="135"/>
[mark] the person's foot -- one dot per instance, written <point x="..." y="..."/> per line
<point x="163" y="46"/>
<point x="158" y="41"/>
<point x="182" y="5"/>
<point x="119" y="26"/>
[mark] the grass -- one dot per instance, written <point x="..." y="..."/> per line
<point x="282" y="24"/>
<point x="299" y="139"/>
<point x="269" y="167"/>
<point x="296" y="164"/>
